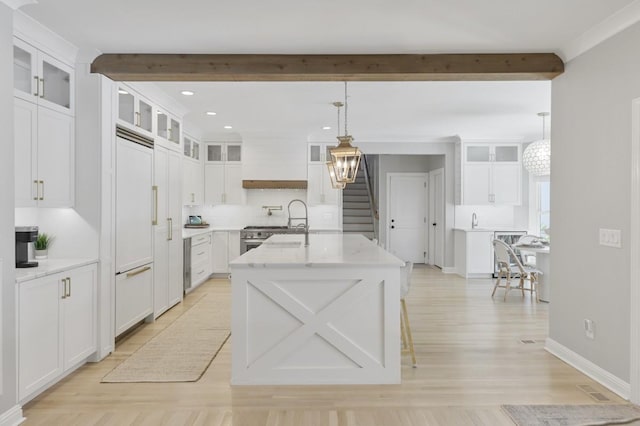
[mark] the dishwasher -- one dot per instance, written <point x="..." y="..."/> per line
<point x="186" y="273"/>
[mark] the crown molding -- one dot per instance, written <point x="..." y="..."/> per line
<point x="606" y="29"/>
<point x="16" y="4"/>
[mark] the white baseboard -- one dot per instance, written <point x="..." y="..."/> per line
<point x="12" y="417"/>
<point x="587" y="367"/>
<point x="449" y="270"/>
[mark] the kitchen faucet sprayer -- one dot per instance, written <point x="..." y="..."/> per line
<point x="306" y="220"/>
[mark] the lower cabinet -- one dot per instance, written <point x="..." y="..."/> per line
<point x="134" y="297"/>
<point x="200" y="259"/>
<point x="226" y="247"/>
<point x="56" y="327"/>
<point x="474" y="253"/>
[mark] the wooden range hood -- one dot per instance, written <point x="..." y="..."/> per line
<point x="274" y="184"/>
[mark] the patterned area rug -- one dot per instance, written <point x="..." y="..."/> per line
<point x="572" y="415"/>
<point x="181" y="352"/>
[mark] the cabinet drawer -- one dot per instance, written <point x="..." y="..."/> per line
<point x="200" y="254"/>
<point x="200" y="239"/>
<point x="199" y="272"/>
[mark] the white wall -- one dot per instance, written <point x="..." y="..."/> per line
<point x="590" y="189"/>
<point x="8" y="397"/>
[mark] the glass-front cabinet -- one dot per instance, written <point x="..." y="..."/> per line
<point x="476" y="153"/>
<point x="168" y="130"/>
<point x="42" y="79"/>
<point x="319" y="153"/>
<point x="134" y="111"/>
<point x="190" y="147"/>
<point x="224" y="152"/>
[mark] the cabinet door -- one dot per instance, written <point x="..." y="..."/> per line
<point x="192" y="183"/>
<point x="220" y="252"/>
<point x="233" y="191"/>
<point x="234" y="245"/>
<point x="175" y="263"/>
<point x="476" y="186"/>
<point x="479" y="252"/>
<point x="174" y="184"/>
<point x="233" y="153"/>
<point x="39" y="333"/>
<point x="214" y="153"/>
<point x="186" y="147"/>
<point x="56" y="84"/>
<point x="161" y="261"/>
<point x="25" y="79"/>
<point x="127" y="107"/>
<point x="144" y="113"/>
<point x="175" y="132"/>
<point x="79" y="315"/>
<point x="317" y="153"/>
<point x="55" y="158"/>
<point x="507" y="183"/>
<point x="506" y="153"/>
<point x="213" y="184"/>
<point x="161" y="183"/>
<point x="25" y="119"/>
<point x="478" y="153"/>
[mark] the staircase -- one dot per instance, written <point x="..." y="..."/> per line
<point x="356" y="208"/>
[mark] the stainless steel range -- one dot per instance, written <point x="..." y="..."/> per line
<point x="252" y="236"/>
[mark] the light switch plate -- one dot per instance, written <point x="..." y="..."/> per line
<point x="611" y="238"/>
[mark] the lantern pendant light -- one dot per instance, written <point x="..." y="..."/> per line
<point x="332" y="175"/>
<point x="345" y="158"/>
<point x="536" y="158"/>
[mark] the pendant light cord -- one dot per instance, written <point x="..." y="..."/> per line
<point x="346" y="105"/>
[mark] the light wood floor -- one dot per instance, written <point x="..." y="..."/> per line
<point x="470" y="361"/>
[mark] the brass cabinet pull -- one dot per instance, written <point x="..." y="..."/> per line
<point x="37" y="190"/>
<point x="193" y="197"/>
<point x="37" y="86"/>
<point x="170" y="226"/>
<point x="154" y="188"/>
<point x="64" y="290"/>
<point x="42" y="196"/>
<point x="137" y="120"/>
<point x="139" y="271"/>
<point x="42" y="81"/>
<point x="69" y="282"/>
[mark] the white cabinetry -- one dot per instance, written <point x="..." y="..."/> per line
<point x="168" y="130"/>
<point x="42" y="79"/>
<point x="474" y="253"/>
<point x="223" y="174"/>
<point x="134" y="297"/>
<point x="319" y="188"/>
<point x="135" y="112"/>
<point x="44" y="156"/>
<point x="168" y="258"/>
<point x="200" y="259"/>
<point x="56" y="327"/>
<point x="489" y="174"/>
<point x="193" y="183"/>
<point x="226" y="247"/>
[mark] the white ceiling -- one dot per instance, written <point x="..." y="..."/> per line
<point x="378" y="111"/>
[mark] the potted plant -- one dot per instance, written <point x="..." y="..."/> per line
<point x="42" y="244"/>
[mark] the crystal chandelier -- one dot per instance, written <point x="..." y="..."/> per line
<point x="345" y="158"/>
<point x="536" y="158"/>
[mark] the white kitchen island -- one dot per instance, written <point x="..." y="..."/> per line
<point x="328" y="313"/>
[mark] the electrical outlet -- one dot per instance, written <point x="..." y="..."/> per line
<point x="611" y="238"/>
<point x="589" y="329"/>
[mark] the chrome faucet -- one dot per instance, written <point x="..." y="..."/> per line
<point x="306" y="220"/>
<point x="474" y="220"/>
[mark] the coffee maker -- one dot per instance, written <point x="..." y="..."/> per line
<point x="25" y="235"/>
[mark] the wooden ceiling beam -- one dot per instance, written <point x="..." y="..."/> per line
<point x="431" y="67"/>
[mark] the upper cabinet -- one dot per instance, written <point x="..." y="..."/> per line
<point x="191" y="147"/>
<point x="319" y="152"/>
<point x="319" y="188"/>
<point x="135" y="112"/>
<point x="168" y="130"/>
<point x="193" y="180"/>
<point x="488" y="174"/>
<point x="224" y="153"/>
<point x="42" y="79"/>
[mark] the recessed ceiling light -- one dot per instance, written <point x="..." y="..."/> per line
<point x="211" y="113"/>
<point x="123" y="92"/>
<point x="187" y="93"/>
<point x="326" y="128"/>
<point x="228" y="127"/>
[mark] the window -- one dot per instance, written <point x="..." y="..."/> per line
<point x="544" y="208"/>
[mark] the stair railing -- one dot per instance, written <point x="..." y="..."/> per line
<point x="372" y="201"/>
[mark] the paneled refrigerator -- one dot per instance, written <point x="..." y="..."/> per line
<point x="134" y="234"/>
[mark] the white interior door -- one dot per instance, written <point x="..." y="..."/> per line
<point x="436" y="217"/>
<point x="407" y="215"/>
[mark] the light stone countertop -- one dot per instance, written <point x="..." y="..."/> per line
<point x="325" y="249"/>
<point x="192" y="232"/>
<point x="50" y="266"/>
<point x="491" y="229"/>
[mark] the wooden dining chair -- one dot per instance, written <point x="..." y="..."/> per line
<point x="405" y="327"/>
<point x="510" y="267"/>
